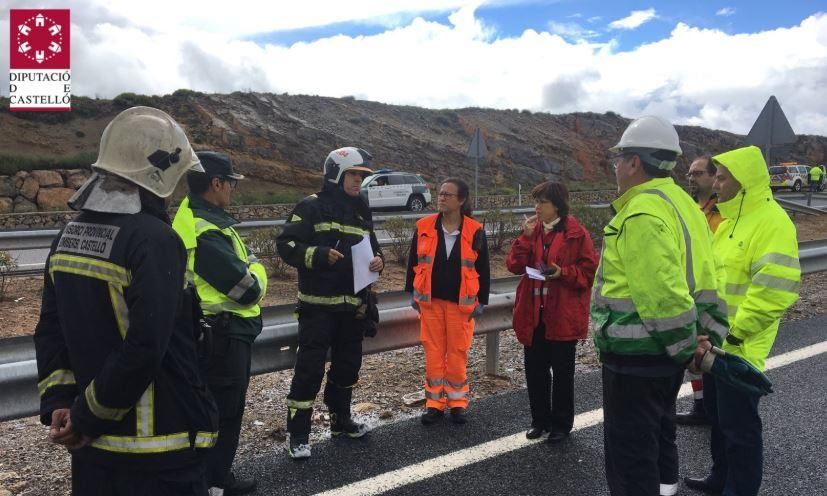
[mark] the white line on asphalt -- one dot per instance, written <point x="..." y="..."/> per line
<point x="481" y="452"/>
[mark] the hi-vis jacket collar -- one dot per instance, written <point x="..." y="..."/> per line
<point x="632" y="192"/>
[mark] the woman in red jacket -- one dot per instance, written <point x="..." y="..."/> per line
<point x="551" y="311"/>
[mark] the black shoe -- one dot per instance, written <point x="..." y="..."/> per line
<point x="234" y="486"/>
<point x="459" y="415"/>
<point x="696" y="416"/>
<point x="704" y="485"/>
<point x="557" y="437"/>
<point x="535" y="432"/>
<point x="431" y="416"/>
<point x="345" y="426"/>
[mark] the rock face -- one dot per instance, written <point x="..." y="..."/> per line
<point x="6" y="205"/>
<point x="22" y="205"/>
<point x="284" y="139"/>
<point x="47" y="178"/>
<point x="54" y="198"/>
<point x="29" y="188"/>
<point x="7" y="187"/>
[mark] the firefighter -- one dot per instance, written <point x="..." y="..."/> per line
<point x="120" y="382"/>
<point x="657" y="288"/>
<point x="449" y="277"/>
<point x="758" y="247"/>
<point x="332" y="317"/>
<point x="701" y="175"/>
<point x="230" y="283"/>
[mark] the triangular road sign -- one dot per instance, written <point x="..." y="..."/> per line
<point x="771" y="127"/>
<point x="477" y="148"/>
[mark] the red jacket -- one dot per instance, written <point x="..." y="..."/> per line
<point x="566" y="306"/>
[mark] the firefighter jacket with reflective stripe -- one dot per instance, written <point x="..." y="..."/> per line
<point x="115" y="342"/>
<point x="758" y="247"/>
<point x="227" y="276"/>
<point x="658" y="284"/>
<point x="471" y="275"/>
<point x="327" y="220"/>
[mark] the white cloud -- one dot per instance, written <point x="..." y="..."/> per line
<point x="726" y="11"/>
<point x="570" y="30"/>
<point x="692" y="76"/>
<point x="634" y="20"/>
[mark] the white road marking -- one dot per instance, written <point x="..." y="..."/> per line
<point x="481" y="452"/>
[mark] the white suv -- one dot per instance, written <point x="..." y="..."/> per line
<point x="793" y="176"/>
<point x="389" y="189"/>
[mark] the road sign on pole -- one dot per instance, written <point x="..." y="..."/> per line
<point x="477" y="151"/>
<point x="770" y="129"/>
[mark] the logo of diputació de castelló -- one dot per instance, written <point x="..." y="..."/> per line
<point x="40" y="78"/>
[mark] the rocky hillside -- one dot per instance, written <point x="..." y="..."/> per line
<point x="283" y="139"/>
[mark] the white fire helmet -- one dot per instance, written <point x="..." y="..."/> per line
<point x="147" y="147"/>
<point x="344" y="159"/>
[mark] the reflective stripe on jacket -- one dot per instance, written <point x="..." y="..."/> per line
<point x="426" y="245"/>
<point x="115" y="342"/>
<point x="758" y="247"/>
<point x="657" y="286"/>
<point x="248" y="286"/>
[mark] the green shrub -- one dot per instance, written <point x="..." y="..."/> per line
<point x="7" y="264"/>
<point x="269" y="198"/>
<point x="262" y="242"/>
<point x="502" y="227"/>
<point x="186" y="92"/>
<point x="14" y="162"/>
<point x="126" y="100"/>
<point x="593" y="219"/>
<point x="400" y="231"/>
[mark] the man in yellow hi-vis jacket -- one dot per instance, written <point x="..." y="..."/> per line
<point x="757" y="245"/>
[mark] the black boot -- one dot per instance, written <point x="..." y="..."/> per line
<point x="696" y="416"/>
<point x="298" y="425"/>
<point x="338" y="401"/>
<point x="706" y="485"/>
<point x="234" y="486"/>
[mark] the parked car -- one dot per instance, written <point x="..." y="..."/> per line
<point x="392" y="189"/>
<point x="793" y="176"/>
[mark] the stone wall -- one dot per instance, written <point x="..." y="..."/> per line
<point x="39" y="190"/>
<point x="57" y="219"/>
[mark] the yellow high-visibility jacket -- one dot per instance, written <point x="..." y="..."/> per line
<point x="658" y="284"/>
<point x="757" y="244"/>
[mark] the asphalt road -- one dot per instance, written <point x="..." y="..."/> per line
<point x="490" y="456"/>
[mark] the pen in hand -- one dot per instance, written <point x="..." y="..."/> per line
<point x="334" y="255"/>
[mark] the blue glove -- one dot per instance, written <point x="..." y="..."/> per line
<point x="414" y="304"/>
<point x="477" y="312"/>
<point x="735" y="371"/>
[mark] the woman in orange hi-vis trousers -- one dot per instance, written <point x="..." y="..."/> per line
<point x="449" y="277"/>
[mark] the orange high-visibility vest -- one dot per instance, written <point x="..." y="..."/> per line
<point x="426" y="244"/>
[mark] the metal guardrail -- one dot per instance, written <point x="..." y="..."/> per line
<point x="42" y="239"/>
<point x="38" y="239"/>
<point x="275" y="348"/>
<point x="798" y="208"/>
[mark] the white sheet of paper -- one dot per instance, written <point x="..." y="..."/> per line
<point x="362" y="253"/>
<point x="534" y="274"/>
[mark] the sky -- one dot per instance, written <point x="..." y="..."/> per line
<point x="706" y="63"/>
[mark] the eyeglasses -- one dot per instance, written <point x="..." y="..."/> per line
<point x="695" y="173"/>
<point x="443" y="194"/>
